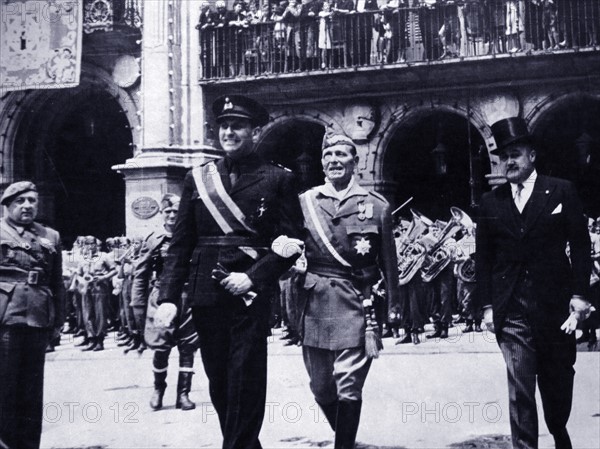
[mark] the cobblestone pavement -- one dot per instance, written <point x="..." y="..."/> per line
<point x="439" y="394"/>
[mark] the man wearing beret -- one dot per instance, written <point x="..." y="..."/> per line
<point x="31" y="309"/>
<point x="349" y="244"/>
<point x="228" y="244"/>
<point x="533" y="291"/>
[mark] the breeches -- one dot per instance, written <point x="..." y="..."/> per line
<point x="336" y="375"/>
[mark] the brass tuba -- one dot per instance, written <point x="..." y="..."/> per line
<point x="438" y="256"/>
<point x="411" y="253"/>
<point x="465" y="269"/>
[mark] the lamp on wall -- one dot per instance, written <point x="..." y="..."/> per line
<point x="440" y="159"/>
<point x="583" y="146"/>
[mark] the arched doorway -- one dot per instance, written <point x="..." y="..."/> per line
<point x="440" y="161"/>
<point x="568" y="142"/>
<point x="296" y="144"/>
<point x="67" y="142"/>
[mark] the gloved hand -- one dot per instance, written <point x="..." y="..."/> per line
<point x="570" y="324"/>
<point x="580" y="306"/>
<point x="165" y="314"/>
<point x="287" y="247"/>
<point x="488" y="319"/>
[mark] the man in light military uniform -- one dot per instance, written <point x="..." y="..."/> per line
<point x="349" y="244"/>
<point x="31" y="309"/>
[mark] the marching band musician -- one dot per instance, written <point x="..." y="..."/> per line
<point x="348" y="241"/>
<point x="465" y="282"/>
<point x="231" y="214"/>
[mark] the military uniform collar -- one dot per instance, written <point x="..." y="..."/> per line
<point x="353" y="189"/>
<point x="20" y="229"/>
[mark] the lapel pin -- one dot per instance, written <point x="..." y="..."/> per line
<point x="547" y="192"/>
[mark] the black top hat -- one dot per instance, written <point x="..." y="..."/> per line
<point x="509" y="131"/>
<point x="238" y="106"/>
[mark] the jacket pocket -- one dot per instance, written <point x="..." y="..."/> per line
<point x="6" y="290"/>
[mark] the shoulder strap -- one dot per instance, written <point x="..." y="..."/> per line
<point x="319" y="230"/>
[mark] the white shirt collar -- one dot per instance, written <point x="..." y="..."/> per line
<point x="527" y="186"/>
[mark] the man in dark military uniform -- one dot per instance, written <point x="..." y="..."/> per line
<point x="31" y="309"/>
<point x="231" y="212"/>
<point x="349" y="243"/>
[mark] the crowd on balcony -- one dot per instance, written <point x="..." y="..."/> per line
<point x="296" y="35"/>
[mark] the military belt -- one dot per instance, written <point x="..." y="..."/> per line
<point x="231" y="241"/>
<point x="332" y="270"/>
<point x="32" y="277"/>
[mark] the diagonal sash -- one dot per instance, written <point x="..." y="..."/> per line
<point x="220" y="205"/>
<point x="319" y="230"/>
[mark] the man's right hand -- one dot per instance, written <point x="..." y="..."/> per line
<point x="165" y="314"/>
<point x="488" y="319"/>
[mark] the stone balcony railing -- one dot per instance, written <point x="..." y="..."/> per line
<point x="104" y="15"/>
<point x="433" y="32"/>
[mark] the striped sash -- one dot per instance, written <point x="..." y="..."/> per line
<point x="319" y="229"/>
<point x="220" y="205"/>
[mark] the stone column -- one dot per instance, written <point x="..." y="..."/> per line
<point x="172" y="111"/>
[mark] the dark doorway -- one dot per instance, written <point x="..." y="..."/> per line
<point x="90" y="138"/>
<point x="440" y="162"/>
<point x="568" y="147"/>
<point x="297" y="146"/>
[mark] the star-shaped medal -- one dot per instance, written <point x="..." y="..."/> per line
<point x="363" y="246"/>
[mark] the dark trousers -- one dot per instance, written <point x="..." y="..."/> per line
<point x="545" y="355"/>
<point x="444" y="288"/>
<point x="22" y="356"/>
<point x="95" y="309"/>
<point x="233" y="346"/>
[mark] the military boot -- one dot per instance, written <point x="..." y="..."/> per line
<point x="99" y="344"/>
<point x="91" y="344"/>
<point x="469" y="326"/>
<point x="160" y="384"/>
<point x="348" y="417"/>
<point x="407" y="337"/>
<point x="444" y="330"/>
<point x="438" y="330"/>
<point x="330" y="412"/>
<point x="184" y="385"/>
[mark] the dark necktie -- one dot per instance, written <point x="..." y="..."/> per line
<point x="233" y="173"/>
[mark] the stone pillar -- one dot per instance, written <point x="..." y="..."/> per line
<point x="172" y="116"/>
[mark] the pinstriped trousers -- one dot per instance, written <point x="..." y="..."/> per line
<point x="545" y="356"/>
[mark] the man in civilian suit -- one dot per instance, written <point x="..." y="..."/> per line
<point x="232" y="212"/>
<point x="525" y="276"/>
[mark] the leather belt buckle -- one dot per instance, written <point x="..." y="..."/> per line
<point x="33" y="277"/>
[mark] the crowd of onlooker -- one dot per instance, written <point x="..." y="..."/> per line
<point x="289" y="35"/>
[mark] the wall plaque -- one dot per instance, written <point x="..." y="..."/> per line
<point x="145" y="207"/>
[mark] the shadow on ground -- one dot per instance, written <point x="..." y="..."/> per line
<point x="485" y="442"/>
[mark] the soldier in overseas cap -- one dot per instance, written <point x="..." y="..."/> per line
<point x="31" y="309"/>
<point x="349" y="242"/>
<point x="227" y="245"/>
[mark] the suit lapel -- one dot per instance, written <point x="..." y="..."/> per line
<point x="246" y="180"/>
<point x="542" y="191"/>
<point x="505" y="205"/>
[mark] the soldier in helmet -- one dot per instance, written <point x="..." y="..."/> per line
<point x="31" y="309"/>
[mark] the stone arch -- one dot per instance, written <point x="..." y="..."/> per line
<point x="43" y="141"/>
<point x="408" y="164"/>
<point x="16" y="117"/>
<point x="568" y="142"/>
<point x="294" y="140"/>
